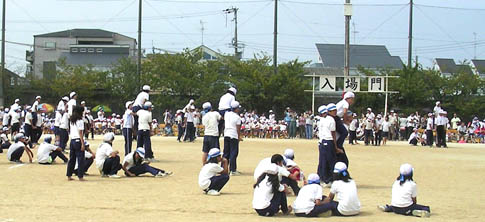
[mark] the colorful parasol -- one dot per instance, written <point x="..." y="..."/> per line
<point x="101" y="107"/>
<point x="45" y="108"/>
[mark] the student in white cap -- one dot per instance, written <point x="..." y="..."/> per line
<point x="72" y="103"/>
<point x="404" y="195"/>
<point x="213" y="177"/>
<point x="35" y="109"/>
<point x="211" y="132"/>
<point x="327" y="147"/>
<point x="15" y="121"/>
<point x="179" y="119"/>
<point x="6" y="117"/>
<point x="284" y="175"/>
<point x="139" y="103"/>
<point x="188" y="106"/>
<point x="5" y="143"/>
<point x="232" y="136"/>
<point x="378" y="130"/>
<point x="368" y="126"/>
<point x="189" y="124"/>
<point x="353" y="126"/>
<point x="134" y="164"/>
<point x="296" y="174"/>
<point x="386" y="128"/>
<point x="441" y="127"/>
<point x="430" y="126"/>
<point x="107" y="159"/>
<point x="225" y="105"/>
<point x="128" y="122"/>
<point x="47" y="152"/>
<point x="63" y="128"/>
<point x="28" y="125"/>
<point x="342" y="108"/>
<point x="145" y="130"/>
<point x="344" y="190"/>
<point x="309" y="202"/>
<point x="76" y="147"/>
<point x="62" y="103"/>
<point x="14" y="106"/>
<point x="16" y="150"/>
<point x="414" y="137"/>
<point x="437" y="109"/>
<point x="269" y="194"/>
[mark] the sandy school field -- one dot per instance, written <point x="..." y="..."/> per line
<point x="449" y="180"/>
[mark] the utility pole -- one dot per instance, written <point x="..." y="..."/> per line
<point x="2" y="74"/>
<point x="275" y="38"/>
<point x="235" y="43"/>
<point x="202" y="29"/>
<point x="348" y="15"/>
<point x="410" y="46"/>
<point x="474" y="45"/>
<point x="138" y="67"/>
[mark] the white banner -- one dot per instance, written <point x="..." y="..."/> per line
<point x="327" y="84"/>
<point x="351" y="84"/>
<point x="376" y="84"/>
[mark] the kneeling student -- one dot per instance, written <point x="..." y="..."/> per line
<point x="4" y="140"/>
<point x="16" y="150"/>
<point x="212" y="176"/>
<point x="404" y="194"/>
<point x="47" y="153"/>
<point x="88" y="159"/>
<point x="107" y="160"/>
<point x="345" y="190"/>
<point x="269" y="195"/>
<point x="134" y="165"/>
<point x="309" y="202"/>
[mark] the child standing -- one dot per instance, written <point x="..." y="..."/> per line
<point x="212" y="176"/>
<point x="386" y="125"/>
<point x="269" y="195"/>
<point x="404" y="194"/>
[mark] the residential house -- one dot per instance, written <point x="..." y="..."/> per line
<point x="478" y="67"/>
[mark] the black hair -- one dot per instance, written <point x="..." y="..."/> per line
<point x="272" y="179"/>
<point x="344" y="176"/>
<point x="213" y="160"/>
<point x="230" y="92"/>
<point x="276" y="158"/>
<point x="77" y="114"/>
<point x="402" y="179"/>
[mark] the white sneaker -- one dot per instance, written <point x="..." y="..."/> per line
<point x="235" y="173"/>
<point x="114" y="176"/>
<point x="421" y="213"/>
<point x="213" y="193"/>
<point x="153" y="160"/>
<point x="383" y="208"/>
<point x="160" y="175"/>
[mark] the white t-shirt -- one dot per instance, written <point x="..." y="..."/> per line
<point x="207" y="172"/>
<point x="40" y="121"/>
<point x="28" y="118"/>
<point x="190" y="117"/>
<point x="3" y="138"/>
<point x="402" y="195"/>
<point x="429" y="124"/>
<point x="15" y="117"/>
<point x="102" y="153"/>
<point x="64" y="121"/>
<point x="282" y="171"/>
<point x="43" y="154"/>
<point x="35" y="106"/>
<point x="354" y="124"/>
<point x="61" y="106"/>
<point x="141" y="99"/>
<point x="325" y="127"/>
<point x="385" y="126"/>
<point x="305" y="202"/>
<point x="263" y="193"/>
<point x="225" y="101"/>
<point x="13" y="148"/>
<point x="343" y="104"/>
<point x="144" y="119"/>
<point x="232" y="120"/>
<point x="74" y="129"/>
<point x="5" y="119"/>
<point x="70" y="106"/>
<point x="57" y="120"/>
<point x="211" y="123"/>
<point x="128" y="119"/>
<point x="346" y="194"/>
<point x="130" y="159"/>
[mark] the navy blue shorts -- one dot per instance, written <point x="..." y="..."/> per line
<point x="209" y="143"/>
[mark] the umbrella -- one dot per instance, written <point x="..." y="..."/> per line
<point x="103" y="107"/>
<point x="45" y="108"/>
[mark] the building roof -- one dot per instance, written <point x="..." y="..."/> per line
<point x="446" y="65"/>
<point x="80" y="33"/>
<point x="464" y="69"/>
<point x="367" y="56"/>
<point x="207" y="53"/>
<point x="479" y="65"/>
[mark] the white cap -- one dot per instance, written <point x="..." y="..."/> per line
<point x="191" y="101"/>
<point x="83" y="102"/>
<point x="379" y="116"/>
<point x="72" y="94"/>
<point x="214" y="152"/>
<point x="6" y="110"/>
<point x="86" y="143"/>
<point x="271" y="169"/>
<point x="349" y="95"/>
<point x="113" y="114"/>
<point x="127" y="104"/>
<point x="108" y="137"/>
<point x="289" y="153"/>
<point x="141" y="151"/>
<point x="322" y="109"/>
<point x="430" y="114"/>
<point x="406" y="169"/>
<point x="313" y="178"/>
<point x="118" y="116"/>
<point x="369" y="109"/>
<point x="5" y="128"/>
<point x="17" y="100"/>
<point x="392" y="110"/>
<point x="65" y="98"/>
<point x="331" y="107"/>
<point x="146" y="88"/>
<point x="206" y="105"/>
<point x="179" y="111"/>
<point x="442" y="112"/>
<point x="235" y="104"/>
<point x="339" y="167"/>
<point x="148" y="104"/>
<point x="438" y="102"/>
<point x="38" y="97"/>
<point x="192" y="107"/>
<point x="232" y="89"/>
<point x="270" y="110"/>
<point x="354" y="114"/>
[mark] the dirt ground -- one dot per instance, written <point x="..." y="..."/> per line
<point x="449" y="180"/>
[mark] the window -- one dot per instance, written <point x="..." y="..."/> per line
<point x="74" y="50"/>
<point x="12" y="81"/>
<point x="99" y="50"/>
<point x="91" y="50"/>
<point x="50" y="45"/>
<point x="82" y="50"/>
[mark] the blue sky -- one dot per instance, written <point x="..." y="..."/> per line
<point x="442" y="28"/>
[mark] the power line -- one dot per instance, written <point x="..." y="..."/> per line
<point x="384" y="22"/>
<point x="451" y="8"/>
<point x="309" y="28"/>
<point x="30" y="16"/>
<point x="337" y="4"/>
<point x="119" y="13"/>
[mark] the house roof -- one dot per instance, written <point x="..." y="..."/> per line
<point x="207" y="50"/>
<point x="464" y="69"/>
<point x="367" y="56"/>
<point x="446" y="65"/>
<point x="479" y="65"/>
<point x="80" y="33"/>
